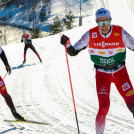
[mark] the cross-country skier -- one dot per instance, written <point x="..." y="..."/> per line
<point x="106" y="45"/>
<point x="28" y="44"/>
<point x="3" y="90"/>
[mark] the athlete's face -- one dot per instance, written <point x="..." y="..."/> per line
<point x="104" y="24"/>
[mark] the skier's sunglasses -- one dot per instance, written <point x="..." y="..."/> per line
<point x="104" y="22"/>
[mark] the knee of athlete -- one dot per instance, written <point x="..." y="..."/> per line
<point x="5" y="94"/>
<point x="130" y="103"/>
<point x="104" y="109"/>
<point x="131" y="107"/>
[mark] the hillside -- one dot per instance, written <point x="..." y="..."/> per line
<point x="24" y="16"/>
<point x="20" y="16"/>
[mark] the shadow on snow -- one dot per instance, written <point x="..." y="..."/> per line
<point x="22" y="65"/>
<point x="6" y="131"/>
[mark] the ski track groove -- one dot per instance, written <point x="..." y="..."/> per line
<point x="36" y="111"/>
<point x="48" y="83"/>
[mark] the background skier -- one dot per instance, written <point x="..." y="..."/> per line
<point x="28" y="44"/>
<point x="106" y="45"/>
<point x="3" y="90"/>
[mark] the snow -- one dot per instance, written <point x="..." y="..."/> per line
<point x="41" y="92"/>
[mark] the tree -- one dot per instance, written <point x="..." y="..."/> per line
<point x="16" y="2"/>
<point x="42" y="15"/>
<point x="3" y="33"/>
<point x="57" y="26"/>
<point x="37" y="33"/>
<point x="68" y="20"/>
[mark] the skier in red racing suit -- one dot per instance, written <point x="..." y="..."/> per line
<point x="28" y="44"/>
<point x="106" y="45"/>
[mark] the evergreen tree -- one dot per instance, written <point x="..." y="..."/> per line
<point x="57" y="26"/>
<point x="37" y="33"/>
<point x="68" y="20"/>
<point x="42" y="15"/>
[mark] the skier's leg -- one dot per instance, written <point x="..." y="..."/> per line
<point x="8" y="100"/>
<point x="125" y="88"/>
<point x="25" y="50"/>
<point x="34" y="50"/>
<point x="103" y="89"/>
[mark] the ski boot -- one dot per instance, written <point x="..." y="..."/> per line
<point x="17" y="116"/>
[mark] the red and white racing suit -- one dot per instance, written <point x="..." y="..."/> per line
<point x="108" y="52"/>
<point x="28" y="44"/>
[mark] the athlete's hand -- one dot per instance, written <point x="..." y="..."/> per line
<point x="8" y="68"/>
<point x="64" y="40"/>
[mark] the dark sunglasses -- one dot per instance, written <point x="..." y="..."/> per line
<point x="104" y="22"/>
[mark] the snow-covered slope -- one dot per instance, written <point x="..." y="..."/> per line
<point x="41" y="92"/>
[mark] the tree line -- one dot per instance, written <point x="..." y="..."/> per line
<point x="45" y="10"/>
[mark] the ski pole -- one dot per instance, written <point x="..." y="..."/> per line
<point x="72" y="90"/>
<point x="38" y="46"/>
<point x="5" y="76"/>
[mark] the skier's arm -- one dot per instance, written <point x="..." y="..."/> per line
<point x="5" y="61"/>
<point x="22" y="38"/>
<point x="128" y="40"/>
<point x="78" y="46"/>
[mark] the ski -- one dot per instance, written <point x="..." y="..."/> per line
<point x="27" y="121"/>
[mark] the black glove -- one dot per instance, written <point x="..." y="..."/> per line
<point x="8" y="68"/>
<point x="64" y="40"/>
